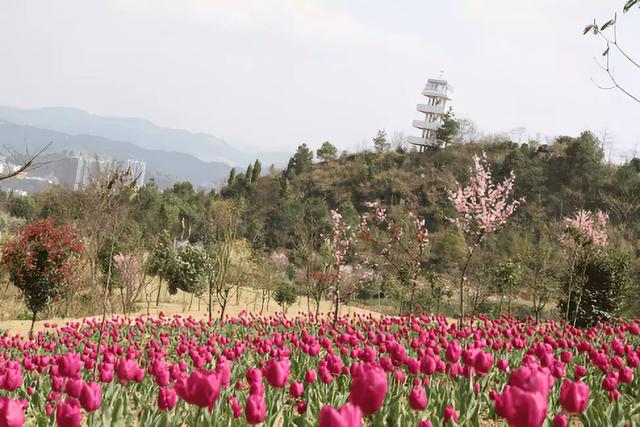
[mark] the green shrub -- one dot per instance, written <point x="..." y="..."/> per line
<point x="285" y="295"/>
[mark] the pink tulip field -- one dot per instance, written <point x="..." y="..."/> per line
<point x="306" y="371"/>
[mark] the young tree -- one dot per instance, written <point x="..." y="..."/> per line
<point x="483" y="207"/>
<point x="300" y="162"/>
<point x="232" y="177"/>
<point x="400" y="251"/>
<point x="257" y="170"/>
<point x="41" y="262"/>
<point x="339" y="242"/>
<point x="249" y="174"/>
<point x="285" y="295"/>
<point x="225" y="218"/>
<point x="449" y="129"/>
<point x="188" y="270"/>
<point x="380" y="141"/>
<point x="128" y="271"/>
<point x="606" y="281"/>
<point x="159" y="263"/>
<point x="584" y="232"/>
<point x="270" y="270"/>
<point x="438" y="290"/>
<point x="327" y="152"/>
<point x="542" y="265"/>
<point x="505" y="277"/>
<point x="310" y="226"/>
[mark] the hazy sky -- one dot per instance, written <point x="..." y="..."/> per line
<point x="276" y="73"/>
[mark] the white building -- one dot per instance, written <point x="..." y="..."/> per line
<point x="137" y="169"/>
<point x="90" y="168"/>
<point x="437" y="93"/>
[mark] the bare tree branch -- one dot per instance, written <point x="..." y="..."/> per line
<point x="600" y="31"/>
<point x="615" y="43"/>
<point x="615" y="85"/>
<point x="29" y="164"/>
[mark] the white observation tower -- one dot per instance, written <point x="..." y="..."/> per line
<point x="437" y="93"/>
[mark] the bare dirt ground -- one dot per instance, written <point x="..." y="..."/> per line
<point x="248" y="300"/>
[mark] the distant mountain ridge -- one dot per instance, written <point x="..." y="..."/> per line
<point x="171" y="166"/>
<point x="137" y="131"/>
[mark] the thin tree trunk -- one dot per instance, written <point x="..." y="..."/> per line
<point x="462" y="280"/>
<point x="158" y="295"/>
<point x="535" y="298"/>
<point x="33" y="322"/>
<point x="104" y="306"/>
<point x="6" y="289"/>
<point x="223" y="306"/>
<point x="122" y="297"/>
<point x="573" y="262"/>
<point x="337" y="306"/>
<point x="579" y="302"/>
<point x="411" y="300"/>
<point x="210" y="306"/>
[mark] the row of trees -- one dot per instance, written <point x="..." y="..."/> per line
<point x="395" y="250"/>
<point x="273" y="231"/>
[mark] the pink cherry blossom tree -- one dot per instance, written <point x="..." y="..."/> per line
<point x="402" y="251"/>
<point x="128" y="271"/>
<point x="339" y="242"/>
<point x="582" y="231"/>
<point x="483" y="207"/>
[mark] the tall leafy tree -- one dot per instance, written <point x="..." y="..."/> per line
<point x="302" y="160"/>
<point x="327" y="151"/>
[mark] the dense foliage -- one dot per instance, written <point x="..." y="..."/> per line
<point x="288" y="212"/>
<point x="41" y="261"/>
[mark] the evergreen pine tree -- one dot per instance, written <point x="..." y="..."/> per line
<point x="232" y="177"/>
<point x="257" y="169"/>
<point x="249" y="174"/>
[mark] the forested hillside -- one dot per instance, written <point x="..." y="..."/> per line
<point x="525" y="267"/>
